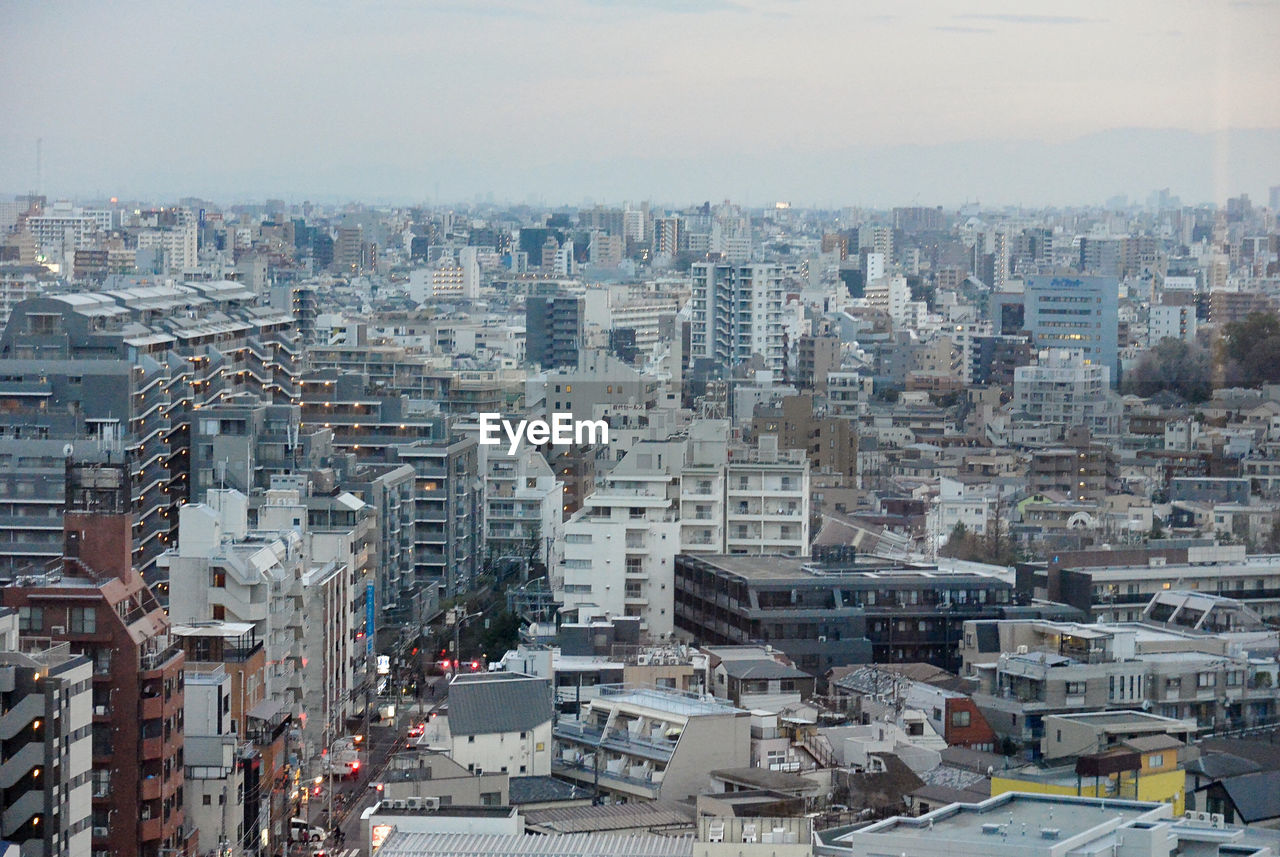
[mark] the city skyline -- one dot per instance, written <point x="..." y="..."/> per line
<point x="999" y="103"/>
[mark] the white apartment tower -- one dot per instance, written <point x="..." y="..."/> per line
<point x="697" y="494"/>
<point x="1065" y="389"/>
<point x="737" y="312"/>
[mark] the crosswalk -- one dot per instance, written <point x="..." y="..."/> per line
<point x="345" y="852"/>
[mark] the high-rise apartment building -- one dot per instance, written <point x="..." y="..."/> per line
<point x="1062" y="388"/>
<point x="694" y="495"/>
<point x="554" y="329"/>
<point x="737" y="313"/>
<point x="46" y="724"/>
<point x="348" y="249"/>
<point x="100" y="607"/>
<point x="126" y="372"/>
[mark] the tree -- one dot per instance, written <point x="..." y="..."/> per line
<point x="1249" y="350"/>
<point x="1174" y="366"/>
<point x="993" y="548"/>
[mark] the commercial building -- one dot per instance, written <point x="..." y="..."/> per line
<point x="1079" y="313"/>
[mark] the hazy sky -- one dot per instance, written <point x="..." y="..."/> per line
<point x="866" y="102"/>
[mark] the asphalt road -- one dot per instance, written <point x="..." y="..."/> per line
<point x="352" y="796"/>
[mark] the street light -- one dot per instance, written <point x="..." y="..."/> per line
<point x="457" y="619"/>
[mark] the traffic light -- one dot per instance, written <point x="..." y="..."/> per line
<point x="475" y="665"/>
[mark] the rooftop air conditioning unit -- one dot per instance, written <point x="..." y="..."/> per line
<point x="432" y="803"/>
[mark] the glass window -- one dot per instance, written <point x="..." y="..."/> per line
<point x="30" y="618"/>
<point x="84" y="620"/>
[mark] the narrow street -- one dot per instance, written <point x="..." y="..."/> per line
<point x="353" y="796"/>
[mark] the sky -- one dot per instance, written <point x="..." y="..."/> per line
<point x="816" y="102"/>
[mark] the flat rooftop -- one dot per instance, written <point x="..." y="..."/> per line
<point x="965" y="827"/>
<point x="778" y="567"/>
<point x="663" y="699"/>
<point x="1122" y="719"/>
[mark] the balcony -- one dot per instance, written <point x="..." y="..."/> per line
<point x="150" y="829"/>
<point x="151" y="788"/>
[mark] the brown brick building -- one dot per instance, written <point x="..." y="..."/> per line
<point x="97" y="603"/>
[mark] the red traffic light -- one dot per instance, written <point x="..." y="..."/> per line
<point x="475" y="665"/>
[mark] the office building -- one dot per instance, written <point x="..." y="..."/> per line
<point x="1077" y="313"/>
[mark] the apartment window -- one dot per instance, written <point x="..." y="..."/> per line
<point x="84" y="620"/>
<point x="960" y="718"/>
<point x="219" y="580"/>
<point x="1155" y="760"/>
<point x="30" y="618"/>
<point x="1172" y="683"/>
<point x="1207" y="680"/>
<point x="1235" y="678"/>
<point x="206" y="800"/>
<point x="1075" y="687"/>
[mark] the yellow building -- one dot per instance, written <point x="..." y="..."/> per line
<point x="1144" y="768"/>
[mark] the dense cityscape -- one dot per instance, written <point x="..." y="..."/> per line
<point x="631" y="428"/>
<point x="887" y="501"/>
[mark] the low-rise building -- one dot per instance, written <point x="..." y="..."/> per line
<point x="501" y="721"/>
<point x="643" y="742"/>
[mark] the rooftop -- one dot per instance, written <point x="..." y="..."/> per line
<point x="400" y="844"/>
<point x="664" y="699"/>
<point x="1007" y="824"/>
<point x="778" y="567"/>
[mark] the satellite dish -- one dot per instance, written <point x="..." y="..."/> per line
<point x="67" y="450"/>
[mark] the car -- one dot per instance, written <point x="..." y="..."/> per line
<point x="301" y="831"/>
<point x="417" y="730"/>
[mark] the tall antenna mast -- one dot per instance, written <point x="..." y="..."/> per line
<point x="39" y="166"/>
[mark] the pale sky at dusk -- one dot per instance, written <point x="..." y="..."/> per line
<point x="816" y="102"/>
